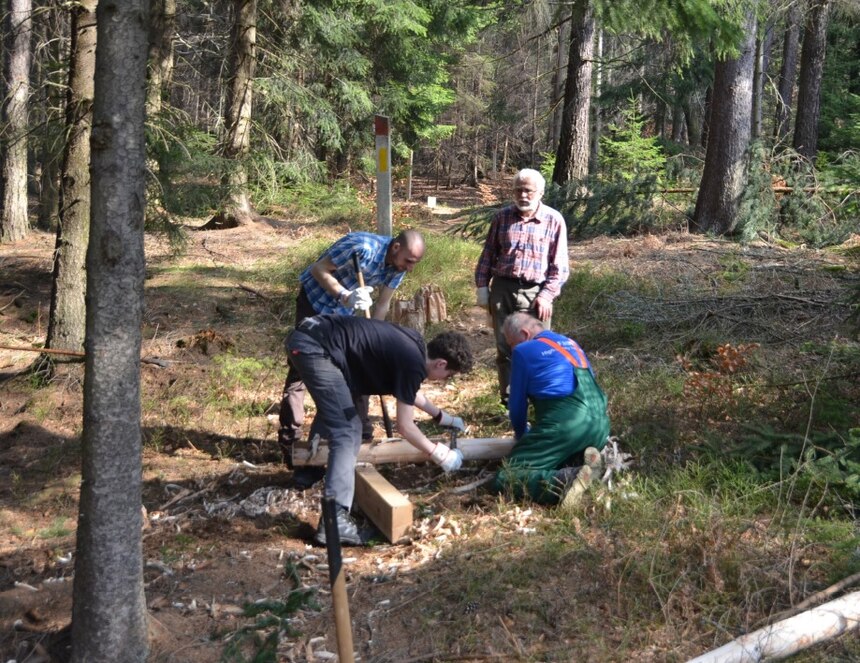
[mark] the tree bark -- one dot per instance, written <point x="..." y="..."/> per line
<point x="17" y="31"/>
<point x="48" y="84"/>
<point x="109" y="620"/>
<point x="67" y="321"/>
<point x="237" y="210"/>
<point x="787" y="73"/>
<point x="596" y="124"/>
<point x="558" y="83"/>
<point x="571" y="161"/>
<point x="809" y="85"/>
<point x="764" y="45"/>
<point x="725" y="174"/>
<point x="160" y="67"/>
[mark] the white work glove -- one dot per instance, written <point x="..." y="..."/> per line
<point x="482" y="296"/>
<point x="358" y="299"/>
<point x="446" y="458"/>
<point x="447" y="421"/>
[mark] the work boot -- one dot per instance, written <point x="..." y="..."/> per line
<point x="594" y="459"/>
<point x="346" y="528"/>
<point x="306" y="476"/>
<point x="574" y="481"/>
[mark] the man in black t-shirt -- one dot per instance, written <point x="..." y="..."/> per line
<point x="340" y="356"/>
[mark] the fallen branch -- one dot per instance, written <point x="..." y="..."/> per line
<point x="72" y="353"/>
<point x="791" y="635"/>
<point x="251" y="290"/>
<point x="465" y="488"/>
<point x="12" y="301"/>
<point x="810" y="601"/>
<point x="47" y="351"/>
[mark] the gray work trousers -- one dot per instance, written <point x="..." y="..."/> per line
<point x="337" y="418"/>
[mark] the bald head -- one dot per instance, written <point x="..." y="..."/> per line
<point x="406" y="250"/>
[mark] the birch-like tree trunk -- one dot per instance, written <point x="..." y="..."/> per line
<point x="725" y="174"/>
<point x="571" y="161"/>
<point x="14" y="120"/>
<point x="67" y="321"/>
<point x="109" y="619"/>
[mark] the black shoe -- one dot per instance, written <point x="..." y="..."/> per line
<point x="347" y="530"/>
<point x="306" y="476"/>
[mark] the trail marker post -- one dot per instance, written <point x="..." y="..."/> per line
<point x="383" y="174"/>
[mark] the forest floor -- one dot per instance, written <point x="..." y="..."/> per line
<point x="222" y="527"/>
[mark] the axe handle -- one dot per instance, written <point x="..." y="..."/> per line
<point x="360" y="277"/>
<point x="386" y="418"/>
<point x="339" y="599"/>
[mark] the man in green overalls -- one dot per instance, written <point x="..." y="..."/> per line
<point x="553" y="460"/>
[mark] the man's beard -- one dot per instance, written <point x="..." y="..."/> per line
<point x="528" y="207"/>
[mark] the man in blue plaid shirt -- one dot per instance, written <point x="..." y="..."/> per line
<point x="523" y="265"/>
<point x="330" y="285"/>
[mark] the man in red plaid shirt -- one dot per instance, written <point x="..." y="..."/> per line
<point x="523" y="265"/>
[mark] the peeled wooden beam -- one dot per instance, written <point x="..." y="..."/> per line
<point x="400" y="451"/>
<point x="388" y="508"/>
<point x="789" y="636"/>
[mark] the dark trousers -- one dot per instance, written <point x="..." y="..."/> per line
<point x="292" y="415"/>
<point x="336" y="420"/>
<point x="509" y="296"/>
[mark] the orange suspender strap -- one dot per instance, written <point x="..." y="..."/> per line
<point x="582" y="363"/>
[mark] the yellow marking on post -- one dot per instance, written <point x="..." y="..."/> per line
<point x="383" y="160"/>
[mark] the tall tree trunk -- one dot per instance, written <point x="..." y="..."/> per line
<point x="49" y="30"/>
<point x="162" y="29"/>
<point x="596" y="126"/>
<point x="694" y="123"/>
<point x="571" y="161"/>
<point x="536" y="87"/>
<point x="787" y="74"/>
<point x="725" y="174"/>
<point x="678" y="124"/>
<point x="109" y="619"/>
<point x="706" y="115"/>
<point x="17" y="30"/>
<point x="809" y="85"/>
<point x="67" y="322"/>
<point x="762" y="62"/>
<point x="558" y="83"/>
<point x="238" y="209"/>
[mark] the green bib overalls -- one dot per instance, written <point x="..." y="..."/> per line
<point x="563" y="427"/>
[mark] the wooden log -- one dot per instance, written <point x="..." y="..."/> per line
<point x="791" y="635"/>
<point x="400" y="451"/>
<point x="388" y="508"/>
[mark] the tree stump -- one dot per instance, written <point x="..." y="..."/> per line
<point x="427" y="306"/>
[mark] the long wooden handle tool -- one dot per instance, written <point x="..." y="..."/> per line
<point x="386" y="418"/>
<point x="340" y="602"/>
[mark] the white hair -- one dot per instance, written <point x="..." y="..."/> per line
<point x="532" y="175"/>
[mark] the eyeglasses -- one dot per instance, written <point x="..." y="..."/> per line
<point x="528" y="191"/>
